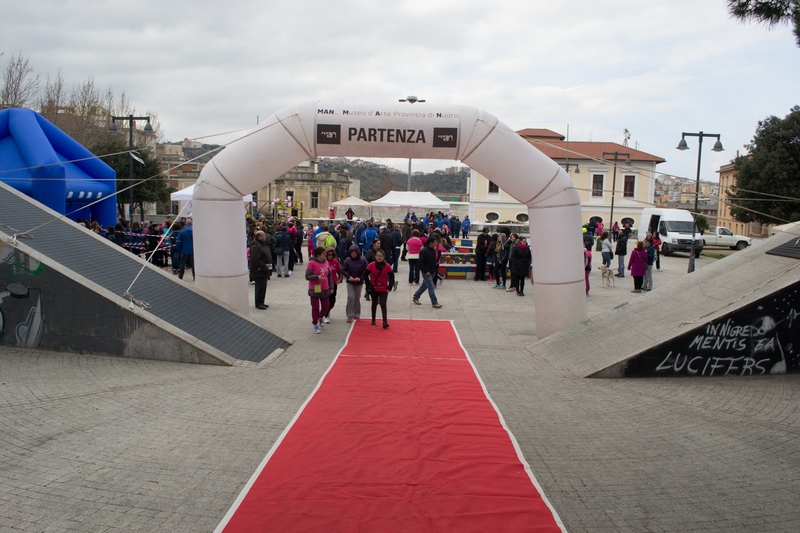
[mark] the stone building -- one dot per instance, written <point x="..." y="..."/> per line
<point x="592" y="174"/>
<point x="727" y="180"/>
<point x="305" y="183"/>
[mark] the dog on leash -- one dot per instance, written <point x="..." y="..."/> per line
<point x="607" y="276"/>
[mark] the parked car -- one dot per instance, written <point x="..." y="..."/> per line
<point x="716" y="236"/>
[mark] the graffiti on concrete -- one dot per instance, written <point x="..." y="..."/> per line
<point x="21" y="318"/>
<point x="759" y="339"/>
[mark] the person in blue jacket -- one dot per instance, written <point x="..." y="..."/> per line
<point x="465" y="224"/>
<point x="367" y="236"/>
<point x="185" y="244"/>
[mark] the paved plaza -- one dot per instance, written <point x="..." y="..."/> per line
<point x="103" y="444"/>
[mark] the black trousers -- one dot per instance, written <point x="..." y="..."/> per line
<point x="480" y="267"/>
<point x="379" y="298"/>
<point x="261" y="290"/>
<point x="332" y="299"/>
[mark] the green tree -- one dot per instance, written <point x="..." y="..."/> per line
<point x="770" y="12"/>
<point x="145" y="190"/>
<point x="768" y="178"/>
<point x="701" y="221"/>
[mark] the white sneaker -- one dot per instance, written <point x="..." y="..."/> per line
<point x="316" y="329"/>
<point x="321" y="323"/>
<point x="327" y="320"/>
<point x="290" y="273"/>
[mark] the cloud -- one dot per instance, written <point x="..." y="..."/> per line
<point x="658" y="68"/>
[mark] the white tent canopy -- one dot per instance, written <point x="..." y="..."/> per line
<point x="351" y="201"/>
<point x="424" y="200"/>
<point x="186" y="194"/>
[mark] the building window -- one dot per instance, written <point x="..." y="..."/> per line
<point x="522" y="217"/>
<point x="314" y="200"/>
<point x="597" y="185"/>
<point x="290" y="194"/>
<point x="493" y="188"/>
<point x="630" y="186"/>
<point x="492" y="217"/>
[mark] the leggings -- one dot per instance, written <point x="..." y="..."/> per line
<point x="637" y="282"/>
<point x="319" y="306"/>
<point x="331" y="300"/>
<point x="521" y="285"/>
<point x="500" y="274"/>
<point x="379" y="298"/>
<point x="514" y="281"/>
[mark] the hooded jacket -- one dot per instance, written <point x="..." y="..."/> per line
<point x="283" y="241"/>
<point x="520" y="259"/>
<point x="354" y="268"/>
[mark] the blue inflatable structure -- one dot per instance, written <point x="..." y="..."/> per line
<point x="38" y="153"/>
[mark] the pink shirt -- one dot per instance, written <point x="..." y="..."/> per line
<point x="414" y="245"/>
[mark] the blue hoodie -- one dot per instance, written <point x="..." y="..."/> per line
<point x="367" y="236"/>
<point x="354" y="268"/>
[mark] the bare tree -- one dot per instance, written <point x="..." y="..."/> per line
<point x="19" y="86"/>
<point x="84" y="112"/>
<point x="52" y="98"/>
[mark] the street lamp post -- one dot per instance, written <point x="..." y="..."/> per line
<point x="148" y="129"/>
<point x="614" y="181"/>
<point x="683" y="146"/>
<point x="410" y="100"/>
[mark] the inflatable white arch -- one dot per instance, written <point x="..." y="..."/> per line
<point x="427" y="131"/>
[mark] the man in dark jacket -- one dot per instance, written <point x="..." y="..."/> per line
<point x="397" y="240"/>
<point x="260" y="267"/>
<point x="481" y="250"/>
<point x="387" y="244"/>
<point x="405" y="233"/>
<point x="427" y="265"/>
<point x="359" y="230"/>
<point x="621" y="251"/>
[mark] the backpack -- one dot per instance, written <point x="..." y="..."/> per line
<point x="330" y="242"/>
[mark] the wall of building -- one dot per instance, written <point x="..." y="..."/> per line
<point x="592" y="206"/>
<point x="727" y="180"/>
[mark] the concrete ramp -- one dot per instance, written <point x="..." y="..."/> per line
<point x="738" y="316"/>
<point x="61" y="289"/>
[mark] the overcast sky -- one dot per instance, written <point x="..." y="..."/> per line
<point x="657" y="68"/>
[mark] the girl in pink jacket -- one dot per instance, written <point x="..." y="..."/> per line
<point x="335" y="277"/>
<point x="318" y="288"/>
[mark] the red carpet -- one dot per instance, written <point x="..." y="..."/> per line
<point x="399" y="436"/>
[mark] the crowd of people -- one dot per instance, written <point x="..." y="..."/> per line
<point x="365" y="256"/>
<point x="643" y="257"/>
<point x="164" y="244"/>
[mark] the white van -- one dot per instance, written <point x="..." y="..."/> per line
<point x="675" y="228"/>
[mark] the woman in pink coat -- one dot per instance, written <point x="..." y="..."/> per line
<point x="637" y="264"/>
<point x="318" y="288"/>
